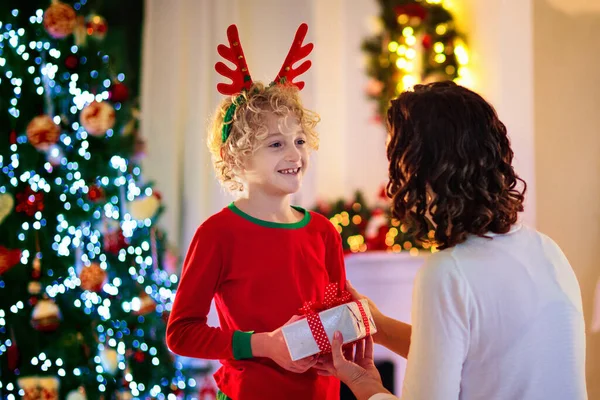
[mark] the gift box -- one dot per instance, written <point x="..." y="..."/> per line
<point x="314" y="334"/>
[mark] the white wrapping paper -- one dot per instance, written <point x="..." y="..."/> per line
<point x="345" y="318"/>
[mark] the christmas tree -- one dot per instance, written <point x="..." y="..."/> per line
<point x="85" y="282"/>
<point x="414" y="41"/>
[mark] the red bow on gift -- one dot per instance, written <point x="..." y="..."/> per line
<point x="333" y="298"/>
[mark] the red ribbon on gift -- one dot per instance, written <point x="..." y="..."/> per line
<point x="333" y="298"/>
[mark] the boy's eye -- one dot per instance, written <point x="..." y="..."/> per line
<point x="275" y="145"/>
<point x="300" y="141"/>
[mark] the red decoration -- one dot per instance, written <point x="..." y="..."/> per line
<point x="207" y="390"/>
<point x="92" y="277"/>
<point x="12" y="353"/>
<point x="147" y="304"/>
<point x="234" y="53"/>
<point x="42" y="132"/>
<point x="95" y="193"/>
<point x="97" y="118"/>
<point x="333" y="298"/>
<point x="96" y="26"/>
<point x="30" y="202"/>
<point x="118" y="93"/>
<point x="297" y="52"/>
<point x="59" y="20"/>
<point x="114" y="241"/>
<point x="72" y="62"/>
<point x="383" y="193"/>
<point x="8" y="258"/>
<point x="46" y="316"/>
<point x="139" y="356"/>
<point x="412" y="10"/>
<point x="36" y="271"/>
<point x="13" y="137"/>
<point x="427" y="41"/>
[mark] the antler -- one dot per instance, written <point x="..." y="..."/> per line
<point x="297" y="52"/>
<point x="240" y="77"/>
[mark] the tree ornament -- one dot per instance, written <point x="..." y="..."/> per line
<point x="12" y="353"/>
<point x="96" y="26"/>
<point x="59" y="20"/>
<point x="46" y="316"/>
<point x="30" y="202"/>
<point x="78" y="394"/>
<point x="113" y="239"/>
<point x="109" y="360"/>
<point x="139" y="356"/>
<point x="144" y="207"/>
<point x="72" y="62"/>
<point x="36" y="268"/>
<point x="95" y="193"/>
<point x="118" y="92"/>
<point x="92" y="277"/>
<point x="42" y="132"/>
<point x="30" y="386"/>
<point x="207" y="391"/>
<point x="7" y="203"/>
<point x="97" y="117"/>
<point x="143" y="305"/>
<point x="49" y="386"/>
<point x="8" y="258"/>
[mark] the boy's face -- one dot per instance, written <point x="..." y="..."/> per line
<point x="279" y="163"/>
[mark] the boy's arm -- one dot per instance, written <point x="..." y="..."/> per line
<point x="187" y="331"/>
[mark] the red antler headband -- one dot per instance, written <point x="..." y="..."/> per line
<point x="240" y="77"/>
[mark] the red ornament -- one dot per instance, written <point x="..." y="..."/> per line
<point x="8" y="258"/>
<point x="96" y="26"/>
<point x="33" y="300"/>
<point x="30" y="202"/>
<point x="72" y="62"/>
<point x="12" y="353"/>
<point x="412" y="10"/>
<point x="383" y="193"/>
<point x="207" y="390"/>
<point x="118" y="93"/>
<point x="147" y="304"/>
<point x="139" y="356"/>
<point x="13" y="137"/>
<point x="42" y="132"/>
<point x="114" y="241"/>
<point x="36" y="271"/>
<point x="59" y="20"/>
<point x="97" y="117"/>
<point x="427" y="41"/>
<point x="95" y="193"/>
<point x="46" y="316"/>
<point x="92" y="277"/>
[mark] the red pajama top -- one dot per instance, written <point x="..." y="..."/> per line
<point x="259" y="273"/>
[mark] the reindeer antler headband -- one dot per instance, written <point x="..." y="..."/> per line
<point x="240" y="77"/>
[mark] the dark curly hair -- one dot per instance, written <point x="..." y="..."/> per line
<point x="450" y="161"/>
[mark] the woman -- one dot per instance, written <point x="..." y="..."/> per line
<point x="497" y="313"/>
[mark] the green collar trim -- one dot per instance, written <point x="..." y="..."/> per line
<point x="268" y="224"/>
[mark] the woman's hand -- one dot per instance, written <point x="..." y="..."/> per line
<point x="272" y="345"/>
<point x="358" y="372"/>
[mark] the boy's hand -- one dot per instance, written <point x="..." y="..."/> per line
<point x="272" y="345"/>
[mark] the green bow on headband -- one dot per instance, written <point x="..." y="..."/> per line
<point x="228" y="119"/>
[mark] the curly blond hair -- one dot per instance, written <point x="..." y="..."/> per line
<point x="249" y="127"/>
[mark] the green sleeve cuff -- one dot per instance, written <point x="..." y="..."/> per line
<point x="242" y="347"/>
